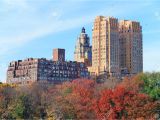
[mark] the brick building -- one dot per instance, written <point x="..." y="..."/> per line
<point x="117" y="47"/>
<point x="131" y="48"/>
<point x="32" y="70"/>
<point x="105" y="46"/>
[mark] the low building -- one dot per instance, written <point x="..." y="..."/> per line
<point x="56" y="71"/>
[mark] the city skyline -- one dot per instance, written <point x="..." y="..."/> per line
<point x="36" y="37"/>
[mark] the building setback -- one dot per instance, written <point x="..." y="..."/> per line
<point x="105" y="46"/>
<point x="116" y="47"/>
<point x="131" y="51"/>
<point x="31" y="70"/>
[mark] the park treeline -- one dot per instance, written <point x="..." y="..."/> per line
<point x="136" y="97"/>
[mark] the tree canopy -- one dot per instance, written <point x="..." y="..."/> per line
<point x="135" y="97"/>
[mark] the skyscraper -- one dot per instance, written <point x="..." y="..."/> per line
<point x="105" y="46"/>
<point x="131" y="53"/>
<point x="83" y="50"/>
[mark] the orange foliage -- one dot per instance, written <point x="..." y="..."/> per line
<point x="132" y="83"/>
<point x="121" y="103"/>
<point x="78" y="98"/>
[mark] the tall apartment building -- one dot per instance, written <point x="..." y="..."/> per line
<point x="83" y="49"/>
<point x="105" y="46"/>
<point x="131" y="53"/>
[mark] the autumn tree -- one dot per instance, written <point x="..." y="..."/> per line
<point x="133" y="83"/>
<point x="75" y="99"/>
<point x="135" y="97"/>
<point x="120" y="103"/>
<point x="40" y="97"/>
<point x="23" y="108"/>
<point x="7" y="96"/>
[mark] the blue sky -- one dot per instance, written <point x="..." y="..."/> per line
<point x="32" y="28"/>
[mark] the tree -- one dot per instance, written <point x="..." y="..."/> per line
<point x="133" y="83"/>
<point x="83" y="92"/>
<point x="75" y="99"/>
<point x="7" y="96"/>
<point x="121" y="103"/>
<point x="23" y="108"/>
<point x="83" y="99"/>
<point x="40" y="99"/>
<point x="151" y="84"/>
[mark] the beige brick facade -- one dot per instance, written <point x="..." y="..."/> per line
<point x="116" y="46"/>
<point x="105" y="45"/>
<point x="131" y="53"/>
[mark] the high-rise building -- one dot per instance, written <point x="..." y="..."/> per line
<point x="131" y="53"/>
<point x="105" y="46"/>
<point x="83" y="49"/>
<point x="59" y="54"/>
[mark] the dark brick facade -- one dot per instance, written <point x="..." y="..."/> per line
<point x="32" y="70"/>
<point x="59" y="55"/>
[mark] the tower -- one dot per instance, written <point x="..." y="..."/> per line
<point x="105" y="46"/>
<point x="83" y="49"/>
<point x="59" y="55"/>
<point x="131" y="53"/>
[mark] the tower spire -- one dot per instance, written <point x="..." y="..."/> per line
<point x="83" y="30"/>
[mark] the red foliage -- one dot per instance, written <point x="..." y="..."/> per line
<point x="133" y="83"/>
<point x="81" y="97"/>
<point x="80" y="100"/>
<point x="121" y="103"/>
<point x="78" y="94"/>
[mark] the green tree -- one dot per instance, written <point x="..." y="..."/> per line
<point x="151" y="84"/>
<point x="23" y="108"/>
<point x="7" y="95"/>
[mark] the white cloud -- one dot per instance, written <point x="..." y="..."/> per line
<point x="157" y="15"/>
<point x="10" y="42"/>
<point x="29" y="27"/>
<point x="13" y="5"/>
<point x="54" y="14"/>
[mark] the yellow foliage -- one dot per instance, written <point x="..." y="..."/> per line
<point x="7" y="85"/>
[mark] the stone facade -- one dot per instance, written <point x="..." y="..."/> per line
<point x="105" y="46"/>
<point x="83" y="49"/>
<point x="32" y="70"/>
<point x="116" y="47"/>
